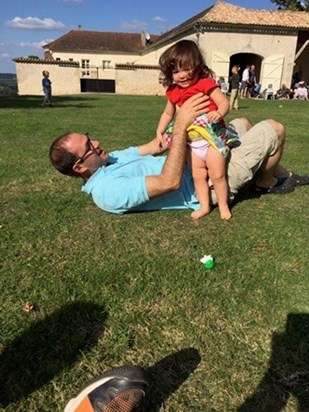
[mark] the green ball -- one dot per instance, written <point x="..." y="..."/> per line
<point x="209" y="264"/>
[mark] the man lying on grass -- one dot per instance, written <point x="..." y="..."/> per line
<point x="134" y="180"/>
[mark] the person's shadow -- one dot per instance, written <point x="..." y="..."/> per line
<point x="47" y="347"/>
<point x="288" y="371"/>
<point x="168" y="374"/>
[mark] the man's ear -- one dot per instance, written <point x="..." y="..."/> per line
<point x="79" y="168"/>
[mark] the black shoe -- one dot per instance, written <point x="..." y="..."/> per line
<point x="232" y="143"/>
<point x="283" y="186"/>
<point x="299" y="180"/>
<point x="118" y="390"/>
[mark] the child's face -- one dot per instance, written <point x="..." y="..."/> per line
<point x="182" y="77"/>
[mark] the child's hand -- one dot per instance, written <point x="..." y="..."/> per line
<point x="214" y="116"/>
<point x="160" y="140"/>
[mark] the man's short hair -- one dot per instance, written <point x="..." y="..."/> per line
<point x="61" y="158"/>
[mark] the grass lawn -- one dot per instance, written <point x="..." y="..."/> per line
<point x="110" y="290"/>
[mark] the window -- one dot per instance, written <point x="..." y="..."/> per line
<point x="85" y="66"/>
<point x="106" y="64"/>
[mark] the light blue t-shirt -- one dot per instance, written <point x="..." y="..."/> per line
<point x="120" y="186"/>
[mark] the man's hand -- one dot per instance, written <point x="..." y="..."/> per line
<point x="193" y="107"/>
<point x="160" y="140"/>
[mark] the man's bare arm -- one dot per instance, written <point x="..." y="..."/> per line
<point x="172" y="172"/>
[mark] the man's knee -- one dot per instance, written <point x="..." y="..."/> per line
<point x="242" y="125"/>
<point x="246" y="123"/>
<point x="279" y="129"/>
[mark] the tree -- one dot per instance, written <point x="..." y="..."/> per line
<point x="296" y="5"/>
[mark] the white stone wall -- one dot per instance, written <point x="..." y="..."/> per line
<point x="153" y="56"/>
<point x="138" y="82"/>
<point x="65" y="80"/>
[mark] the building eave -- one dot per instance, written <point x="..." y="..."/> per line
<point x="61" y="63"/>
<point x="87" y="52"/>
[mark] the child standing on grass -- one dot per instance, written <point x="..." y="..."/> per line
<point x="186" y="74"/>
<point x="47" y="90"/>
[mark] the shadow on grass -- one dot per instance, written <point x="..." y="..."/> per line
<point x="47" y="347"/>
<point x="35" y="102"/>
<point x="245" y="193"/>
<point x="168" y="374"/>
<point x="288" y="371"/>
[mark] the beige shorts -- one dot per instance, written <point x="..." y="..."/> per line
<point x="256" y="145"/>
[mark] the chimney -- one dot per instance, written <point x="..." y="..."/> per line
<point x="145" y="38"/>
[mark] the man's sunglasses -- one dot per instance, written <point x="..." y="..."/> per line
<point x="89" y="150"/>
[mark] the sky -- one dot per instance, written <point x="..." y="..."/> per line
<point x="26" y="25"/>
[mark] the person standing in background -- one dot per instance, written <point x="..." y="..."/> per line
<point x="46" y="84"/>
<point x="234" y="80"/>
<point x="252" y="80"/>
<point x="244" y="82"/>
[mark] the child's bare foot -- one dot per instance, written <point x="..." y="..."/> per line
<point x="200" y="213"/>
<point x="225" y="213"/>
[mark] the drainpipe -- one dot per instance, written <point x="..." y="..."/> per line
<point x="97" y="79"/>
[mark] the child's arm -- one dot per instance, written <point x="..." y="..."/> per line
<point x="221" y="102"/>
<point x="166" y="117"/>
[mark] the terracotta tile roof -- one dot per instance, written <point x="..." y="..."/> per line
<point x="96" y="41"/>
<point x="223" y="12"/>
<point x="226" y="13"/>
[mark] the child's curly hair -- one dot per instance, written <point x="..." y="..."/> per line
<point x="182" y="55"/>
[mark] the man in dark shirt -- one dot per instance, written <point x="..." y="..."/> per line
<point x="252" y="80"/>
<point x="234" y="80"/>
<point x="283" y="93"/>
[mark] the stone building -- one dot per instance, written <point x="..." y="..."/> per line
<point x="276" y="42"/>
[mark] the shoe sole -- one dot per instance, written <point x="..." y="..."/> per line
<point x="129" y="373"/>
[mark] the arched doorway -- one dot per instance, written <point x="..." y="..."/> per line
<point x="297" y="74"/>
<point x="244" y="59"/>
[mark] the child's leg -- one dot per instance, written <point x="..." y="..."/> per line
<point x="216" y="165"/>
<point x="44" y="100"/>
<point x="199" y="174"/>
